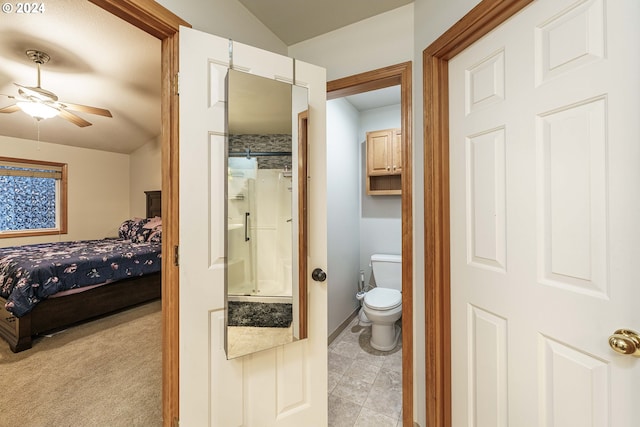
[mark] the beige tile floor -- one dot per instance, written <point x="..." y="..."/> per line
<point x="365" y="385"/>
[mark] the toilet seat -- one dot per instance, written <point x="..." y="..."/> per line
<point x="383" y="299"/>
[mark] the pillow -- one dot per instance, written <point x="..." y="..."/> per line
<point x="140" y="230"/>
<point x="153" y="222"/>
<point x="156" y="235"/>
<point x="133" y="229"/>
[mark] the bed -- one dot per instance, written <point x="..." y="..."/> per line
<point x="97" y="277"/>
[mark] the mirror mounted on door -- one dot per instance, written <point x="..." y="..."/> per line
<point x="265" y="203"/>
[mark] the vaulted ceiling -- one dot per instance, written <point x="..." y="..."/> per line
<point x="99" y="60"/>
<point x="295" y="21"/>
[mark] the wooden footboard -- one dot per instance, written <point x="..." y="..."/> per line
<point x="17" y="332"/>
<point x="55" y="313"/>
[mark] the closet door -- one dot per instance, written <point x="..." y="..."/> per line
<point x="544" y="218"/>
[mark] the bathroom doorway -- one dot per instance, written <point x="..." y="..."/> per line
<point x="398" y="76"/>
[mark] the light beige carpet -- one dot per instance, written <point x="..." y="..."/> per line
<point x="106" y="372"/>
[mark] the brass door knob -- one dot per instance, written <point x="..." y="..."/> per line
<point x="625" y="341"/>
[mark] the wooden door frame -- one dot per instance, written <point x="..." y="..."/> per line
<point x="483" y="18"/>
<point x="399" y="74"/>
<point x="161" y="23"/>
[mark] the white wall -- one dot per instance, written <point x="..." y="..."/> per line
<point x="343" y="210"/>
<point x="358" y="224"/>
<point x="226" y="18"/>
<point x="145" y="170"/>
<point x="373" y="43"/>
<point x="432" y="18"/>
<point x="380" y="216"/>
<point x="98" y="188"/>
<point x="376" y="42"/>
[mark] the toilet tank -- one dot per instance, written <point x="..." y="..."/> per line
<point x="387" y="270"/>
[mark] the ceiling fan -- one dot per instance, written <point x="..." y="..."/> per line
<point x="43" y="104"/>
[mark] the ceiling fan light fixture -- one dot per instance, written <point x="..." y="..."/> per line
<point x="37" y="110"/>
<point x="42" y="104"/>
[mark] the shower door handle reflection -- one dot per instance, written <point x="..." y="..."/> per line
<point x="246" y="227"/>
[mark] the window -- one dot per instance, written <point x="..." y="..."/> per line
<point x="33" y="197"/>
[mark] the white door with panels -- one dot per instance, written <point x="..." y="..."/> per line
<point x="545" y="218"/>
<point x="284" y="386"/>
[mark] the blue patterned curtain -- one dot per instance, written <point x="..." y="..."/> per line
<point x="26" y="203"/>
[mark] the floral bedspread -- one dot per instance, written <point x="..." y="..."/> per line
<point x="31" y="273"/>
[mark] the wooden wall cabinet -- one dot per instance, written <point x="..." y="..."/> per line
<point x="384" y="162"/>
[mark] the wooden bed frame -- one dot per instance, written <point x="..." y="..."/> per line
<point x="55" y="313"/>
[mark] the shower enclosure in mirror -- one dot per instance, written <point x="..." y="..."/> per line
<point x="266" y="177"/>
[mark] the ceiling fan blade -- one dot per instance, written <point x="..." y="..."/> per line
<point x="27" y="89"/>
<point x="36" y="92"/>
<point x="9" y="109"/>
<point x="87" y="109"/>
<point x="78" y="121"/>
<point x="17" y="98"/>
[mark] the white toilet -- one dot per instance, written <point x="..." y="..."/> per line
<point x="383" y="304"/>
